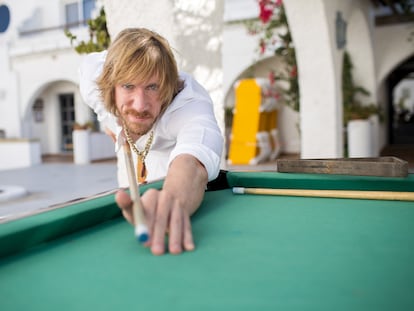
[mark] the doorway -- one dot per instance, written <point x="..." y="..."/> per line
<point x="67" y="116"/>
<point x="401" y="104"/>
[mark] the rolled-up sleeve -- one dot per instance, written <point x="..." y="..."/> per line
<point x="203" y="144"/>
<point x="199" y="136"/>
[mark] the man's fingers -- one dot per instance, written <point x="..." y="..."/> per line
<point x="149" y="202"/>
<point x="188" y="241"/>
<point x="163" y="215"/>
<point x="123" y="199"/>
<point x="125" y="204"/>
<point x="161" y="219"/>
<point x="175" y="241"/>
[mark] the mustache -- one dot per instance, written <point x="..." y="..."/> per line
<point x="142" y="114"/>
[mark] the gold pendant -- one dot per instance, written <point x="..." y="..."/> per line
<point x="141" y="170"/>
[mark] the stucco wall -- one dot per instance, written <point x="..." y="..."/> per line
<point x="392" y="48"/>
<point x="14" y="91"/>
<point x="374" y="51"/>
<point x="313" y="36"/>
<point x="31" y="62"/>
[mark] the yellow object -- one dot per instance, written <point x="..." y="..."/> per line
<point x="254" y="131"/>
<point x="245" y="122"/>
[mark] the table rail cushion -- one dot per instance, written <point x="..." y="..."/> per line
<point x="278" y="180"/>
<point x="26" y="232"/>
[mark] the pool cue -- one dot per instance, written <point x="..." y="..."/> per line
<point x="341" y="194"/>
<point x="141" y="229"/>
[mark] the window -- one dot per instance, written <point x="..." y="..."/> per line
<point x="72" y="14"/>
<point x="4" y="18"/>
<point x="88" y="7"/>
<point x="78" y="12"/>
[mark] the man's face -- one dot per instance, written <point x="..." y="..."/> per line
<point x="138" y="105"/>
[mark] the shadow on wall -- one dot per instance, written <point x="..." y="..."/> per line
<point x="204" y="43"/>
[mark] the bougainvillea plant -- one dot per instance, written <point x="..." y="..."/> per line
<point x="274" y="35"/>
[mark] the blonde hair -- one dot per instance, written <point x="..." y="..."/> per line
<point x="138" y="54"/>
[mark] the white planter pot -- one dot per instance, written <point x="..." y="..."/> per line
<point x="81" y="146"/>
<point x="359" y="139"/>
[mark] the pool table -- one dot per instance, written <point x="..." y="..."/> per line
<point x="253" y="252"/>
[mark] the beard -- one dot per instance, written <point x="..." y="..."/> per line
<point x="136" y="128"/>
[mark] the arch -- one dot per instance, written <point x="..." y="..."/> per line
<point x="288" y="120"/>
<point x="361" y="51"/>
<point x="393" y="52"/>
<point x="254" y="68"/>
<point x="49" y="130"/>
<point x="401" y="119"/>
<point x="389" y="57"/>
<point x="39" y="89"/>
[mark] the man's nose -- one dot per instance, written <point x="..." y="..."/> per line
<point x="139" y="101"/>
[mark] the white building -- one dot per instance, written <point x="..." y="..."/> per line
<point x="40" y="101"/>
<point x="383" y="55"/>
<point x="39" y="96"/>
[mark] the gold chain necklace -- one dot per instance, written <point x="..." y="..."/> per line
<point x="141" y="167"/>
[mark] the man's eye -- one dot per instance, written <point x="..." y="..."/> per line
<point x="128" y="86"/>
<point x="152" y="87"/>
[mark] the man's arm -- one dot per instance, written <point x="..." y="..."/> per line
<point x="187" y="179"/>
<point x="168" y="210"/>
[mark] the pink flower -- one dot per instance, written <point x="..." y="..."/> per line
<point x="266" y="10"/>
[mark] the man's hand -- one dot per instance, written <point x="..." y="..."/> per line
<point x="164" y="215"/>
<point x="168" y="211"/>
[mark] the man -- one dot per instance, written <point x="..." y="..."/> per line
<point x="168" y="120"/>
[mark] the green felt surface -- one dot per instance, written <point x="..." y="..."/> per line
<point x="253" y="253"/>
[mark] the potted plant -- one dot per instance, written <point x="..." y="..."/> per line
<point x="99" y="38"/>
<point x="357" y="116"/>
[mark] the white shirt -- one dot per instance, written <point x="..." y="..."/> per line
<point x="187" y="126"/>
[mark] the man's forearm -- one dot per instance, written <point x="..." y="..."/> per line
<point x="186" y="180"/>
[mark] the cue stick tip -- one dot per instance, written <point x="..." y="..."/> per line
<point x="238" y="190"/>
<point x="141" y="233"/>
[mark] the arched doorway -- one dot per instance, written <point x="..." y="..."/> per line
<point x="287" y="119"/>
<point x="400" y="112"/>
<point x="51" y="115"/>
<point x="400" y="98"/>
